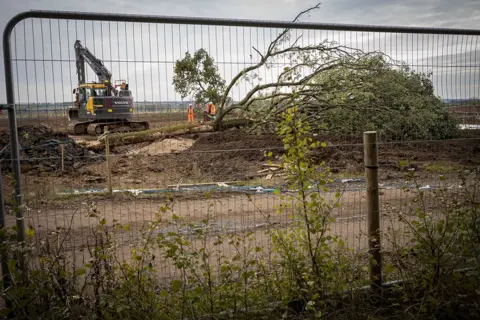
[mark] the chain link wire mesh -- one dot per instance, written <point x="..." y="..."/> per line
<point x="224" y="176"/>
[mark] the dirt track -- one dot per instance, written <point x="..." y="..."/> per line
<point x="233" y="213"/>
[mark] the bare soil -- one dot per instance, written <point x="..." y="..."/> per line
<point x="231" y="155"/>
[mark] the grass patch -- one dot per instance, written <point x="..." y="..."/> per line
<point x="440" y="167"/>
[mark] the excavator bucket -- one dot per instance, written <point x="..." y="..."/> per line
<point x="72" y="114"/>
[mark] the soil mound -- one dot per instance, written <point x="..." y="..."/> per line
<point x="236" y="143"/>
<point x="228" y="155"/>
<point x="164" y="146"/>
<point x="40" y="150"/>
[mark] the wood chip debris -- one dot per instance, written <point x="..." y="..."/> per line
<point x="271" y="170"/>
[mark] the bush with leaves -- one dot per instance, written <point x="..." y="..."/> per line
<point x="314" y="263"/>
<point x="439" y="264"/>
<point x="390" y="98"/>
<point x="217" y="273"/>
<point x="197" y="77"/>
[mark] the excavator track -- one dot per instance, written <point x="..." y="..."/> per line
<point x="97" y="128"/>
<point x="78" y="127"/>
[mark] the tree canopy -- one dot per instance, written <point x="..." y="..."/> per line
<point x="197" y="77"/>
<point x="379" y="95"/>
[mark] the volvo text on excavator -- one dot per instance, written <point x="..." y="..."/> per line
<point x="100" y="104"/>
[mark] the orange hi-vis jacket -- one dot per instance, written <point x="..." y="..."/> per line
<point x="190" y="114"/>
<point x="211" y="109"/>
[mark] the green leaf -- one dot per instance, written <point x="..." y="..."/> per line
<point x="389" y="268"/>
<point x="177" y="285"/>
<point x="30" y="232"/>
<point x="80" y="272"/>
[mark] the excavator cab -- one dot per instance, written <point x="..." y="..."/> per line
<point x="123" y="88"/>
<point x="125" y="93"/>
<point x="122" y="84"/>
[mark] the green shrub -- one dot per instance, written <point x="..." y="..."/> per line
<point x="439" y="264"/>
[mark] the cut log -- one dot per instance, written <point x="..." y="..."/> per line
<point x="170" y="132"/>
<point x="155" y="134"/>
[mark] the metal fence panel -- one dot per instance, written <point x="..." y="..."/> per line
<point x="144" y="50"/>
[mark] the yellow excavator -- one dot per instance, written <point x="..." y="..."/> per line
<point x="100" y="104"/>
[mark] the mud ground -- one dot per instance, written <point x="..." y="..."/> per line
<point x="227" y="156"/>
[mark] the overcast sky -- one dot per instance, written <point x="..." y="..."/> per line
<point x="47" y="58"/>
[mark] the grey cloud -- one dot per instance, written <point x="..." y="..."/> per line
<point x="151" y="78"/>
<point x="430" y="13"/>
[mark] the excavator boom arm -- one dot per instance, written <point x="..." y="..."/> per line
<point x="84" y="55"/>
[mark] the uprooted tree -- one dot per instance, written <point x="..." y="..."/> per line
<point x="338" y="88"/>
<point x="394" y="100"/>
<point x="372" y="94"/>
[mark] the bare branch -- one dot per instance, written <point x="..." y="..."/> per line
<point x="296" y="40"/>
<point x="273" y="96"/>
<point x="298" y="83"/>
<point x="261" y="55"/>
<point x="285" y="31"/>
<point x="317" y="6"/>
<point x="264" y="57"/>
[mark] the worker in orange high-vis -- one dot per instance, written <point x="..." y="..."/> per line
<point x="210" y="112"/>
<point x="190" y="113"/>
<point x="212" y="109"/>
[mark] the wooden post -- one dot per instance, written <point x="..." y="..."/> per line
<point x="373" y="205"/>
<point x="109" y="166"/>
<point x="62" y="152"/>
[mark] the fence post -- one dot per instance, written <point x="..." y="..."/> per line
<point x="109" y="166"/>
<point x="62" y="152"/>
<point x="3" y="252"/>
<point x="373" y="206"/>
